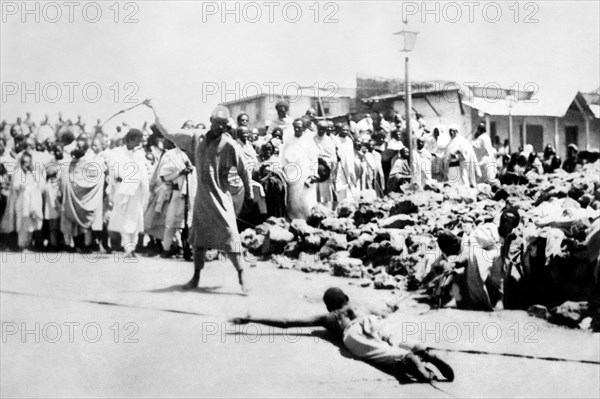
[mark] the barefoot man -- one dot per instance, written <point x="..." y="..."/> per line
<point x="364" y="332"/>
<point x="214" y="222"/>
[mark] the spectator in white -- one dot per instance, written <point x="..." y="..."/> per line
<point x="395" y="143"/>
<point x="253" y="139"/>
<point x="400" y="172"/>
<point x="311" y="113"/>
<point x="118" y="134"/>
<point x="460" y="160"/>
<point x="299" y="159"/>
<point x="486" y="155"/>
<point x="284" y="121"/>
<point x="390" y="150"/>
<point x="331" y="130"/>
<point x="243" y="120"/>
<point x="82" y="196"/>
<point x="352" y="125"/>
<point x="46" y="131"/>
<point x="276" y="138"/>
<point x="100" y="150"/>
<point x="374" y="159"/>
<point x="176" y="170"/>
<point x="39" y="159"/>
<point x="68" y="126"/>
<point x="326" y="189"/>
<point x="8" y="167"/>
<point x="128" y="190"/>
<point x="52" y="195"/>
<point x="419" y="127"/>
<point x="236" y="185"/>
<point x="15" y="133"/>
<point x="533" y="159"/>
<point x="98" y="126"/>
<point x="248" y="141"/>
<point x="398" y="120"/>
<point x="80" y="123"/>
<point x="28" y="202"/>
<point x="243" y="136"/>
<point x="383" y="124"/>
<point x="24" y="128"/>
<point x="155" y="214"/>
<point x="484" y="255"/>
<point x="29" y="122"/>
<point x="572" y="163"/>
<point x="365" y="126"/>
<point x="437" y="155"/>
<point x="369" y="172"/>
<point x="551" y="161"/>
<point x="345" y="173"/>
<point x="146" y="132"/>
<point x="421" y="163"/>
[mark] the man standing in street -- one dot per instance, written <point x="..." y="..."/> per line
<point x="214" y="221"/>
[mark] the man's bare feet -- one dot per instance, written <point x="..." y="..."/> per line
<point x="441" y="365"/>
<point x="243" y="282"/>
<point x="190" y="285"/>
<point x="211" y="255"/>
<point x="451" y="304"/>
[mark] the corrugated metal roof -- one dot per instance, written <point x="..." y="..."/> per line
<point x="541" y="104"/>
<point x="417" y="88"/>
<point x="293" y="91"/>
<point x="545" y="100"/>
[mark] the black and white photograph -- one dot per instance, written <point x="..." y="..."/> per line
<point x="299" y="199"/>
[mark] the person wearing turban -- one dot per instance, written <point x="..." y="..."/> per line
<point x="460" y="159"/>
<point x="128" y="190"/>
<point x="284" y="121"/>
<point x="486" y="154"/>
<point x="570" y="164"/>
<point x="214" y="223"/>
<point x="299" y="160"/>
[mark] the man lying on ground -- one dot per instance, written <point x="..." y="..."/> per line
<point x="366" y="335"/>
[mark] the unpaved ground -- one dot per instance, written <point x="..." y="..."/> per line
<point x="178" y="344"/>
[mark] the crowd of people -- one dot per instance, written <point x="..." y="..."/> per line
<point x="71" y="186"/>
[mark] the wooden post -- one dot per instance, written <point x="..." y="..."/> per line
<point x="510" y="132"/>
<point x="407" y="102"/>
<point x="524" y="133"/>
<point x="587" y="133"/>
<point x="556" y="136"/>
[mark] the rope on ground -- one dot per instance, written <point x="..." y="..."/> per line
<point x="106" y="303"/>
<point x="441" y="390"/>
<point x="547" y="358"/>
<point x="472" y="352"/>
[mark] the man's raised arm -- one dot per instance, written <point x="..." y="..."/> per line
<point x="185" y="139"/>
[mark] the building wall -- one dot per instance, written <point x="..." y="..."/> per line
<point x="262" y="109"/>
<point x="251" y="107"/>
<point x="447" y="106"/>
<point x="548" y="125"/>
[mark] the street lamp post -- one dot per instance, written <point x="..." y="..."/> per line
<point x="510" y="99"/>
<point x="407" y="44"/>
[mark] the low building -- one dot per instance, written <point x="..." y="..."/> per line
<point x="539" y="119"/>
<point x="521" y="117"/>
<point x="331" y="102"/>
<point x="437" y="102"/>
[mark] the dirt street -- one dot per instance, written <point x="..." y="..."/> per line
<point x="104" y="328"/>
